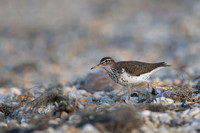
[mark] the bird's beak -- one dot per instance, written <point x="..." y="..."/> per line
<point x="98" y="65"/>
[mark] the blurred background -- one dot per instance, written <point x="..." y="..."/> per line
<point x="48" y="41"/>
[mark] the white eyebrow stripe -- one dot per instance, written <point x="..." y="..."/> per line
<point x="108" y="59"/>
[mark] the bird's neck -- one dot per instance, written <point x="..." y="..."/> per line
<point x="108" y="69"/>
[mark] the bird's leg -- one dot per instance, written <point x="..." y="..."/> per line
<point x="129" y="92"/>
<point x="149" y="89"/>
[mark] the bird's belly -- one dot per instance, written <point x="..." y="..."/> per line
<point x="126" y="79"/>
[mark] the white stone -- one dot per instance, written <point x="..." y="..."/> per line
<point x="64" y="115"/>
<point x="88" y="128"/>
<point x="75" y="118"/>
<point x="197" y="105"/>
<point x="145" y="113"/>
<point x="186" y="111"/>
<point x="66" y="90"/>
<point x="165" y="118"/>
<point x="194" y="111"/>
<point x="53" y="122"/>
<point x="97" y="95"/>
<point x="15" y="91"/>
<point x="163" y="100"/>
<point x="2" y="124"/>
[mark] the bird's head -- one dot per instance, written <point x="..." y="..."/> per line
<point x="105" y="63"/>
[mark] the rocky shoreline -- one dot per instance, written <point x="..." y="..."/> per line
<point x="73" y="108"/>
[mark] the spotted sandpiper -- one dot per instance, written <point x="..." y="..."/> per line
<point x="129" y="73"/>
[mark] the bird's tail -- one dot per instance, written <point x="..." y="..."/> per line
<point x="162" y="64"/>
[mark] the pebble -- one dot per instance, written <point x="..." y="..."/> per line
<point x="2" y="116"/>
<point x="177" y="82"/>
<point x="197" y="105"/>
<point x="53" y="122"/>
<point x="145" y="113"/>
<point x="164" y="118"/>
<point x="97" y="95"/>
<point x="175" y="121"/>
<point x="106" y="99"/>
<point x="163" y="100"/>
<point x="75" y="118"/>
<point x="2" y="124"/>
<point x="15" y="91"/>
<point x="66" y="90"/>
<point x="132" y="100"/>
<point x="88" y="128"/>
<point x="50" y="130"/>
<point x="25" y="125"/>
<point x="194" y="111"/>
<point x="64" y="115"/>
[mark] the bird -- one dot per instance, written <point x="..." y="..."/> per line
<point x="129" y="73"/>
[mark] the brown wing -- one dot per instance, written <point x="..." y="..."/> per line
<point x="136" y="68"/>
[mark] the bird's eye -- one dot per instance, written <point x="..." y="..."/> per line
<point x="106" y="61"/>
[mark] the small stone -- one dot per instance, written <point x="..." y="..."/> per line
<point x="15" y="91"/>
<point x="13" y="124"/>
<point x="88" y="128"/>
<point x="106" y="99"/>
<point x="177" y="82"/>
<point x="145" y="113"/>
<point x="50" y="130"/>
<point x="186" y="112"/>
<point x="197" y="105"/>
<point x="175" y="121"/>
<point x="2" y="124"/>
<point x="97" y="95"/>
<point x="165" y="118"/>
<point x="75" y="118"/>
<point x="64" y="115"/>
<point x="53" y="122"/>
<point x="194" y="111"/>
<point x="117" y="93"/>
<point x="132" y="100"/>
<point x="66" y="90"/>
<point x="3" y="90"/>
<point x="83" y="100"/>
<point x="178" y="104"/>
<point x="2" y="116"/>
<point x="83" y="92"/>
<point x="25" y="125"/>
<point x="163" y="100"/>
